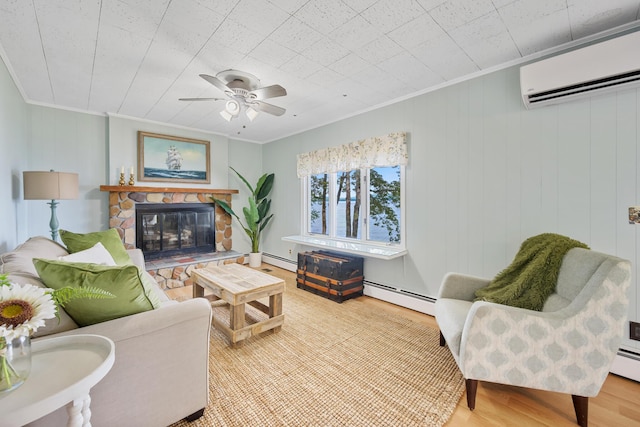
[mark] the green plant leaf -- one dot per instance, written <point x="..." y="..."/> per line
<point x="225" y="206"/>
<point x="264" y="186"/>
<point x="263" y="209"/>
<point x="251" y="215"/>
<point x="265" y="222"/>
<point x="243" y="180"/>
<point x="64" y="295"/>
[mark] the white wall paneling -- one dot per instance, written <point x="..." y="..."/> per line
<point x="246" y="158"/>
<point x="626" y="124"/>
<point x="13" y="145"/>
<point x="69" y="142"/>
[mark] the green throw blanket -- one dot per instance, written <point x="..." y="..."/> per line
<point x="533" y="274"/>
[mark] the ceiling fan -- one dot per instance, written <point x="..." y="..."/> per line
<point x="243" y="90"/>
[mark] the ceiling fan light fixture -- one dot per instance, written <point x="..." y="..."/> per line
<point x="244" y="92"/>
<point x="228" y="117"/>
<point x="251" y="113"/>
<point x="231" y="110"/>
<point x="232" y="107"/>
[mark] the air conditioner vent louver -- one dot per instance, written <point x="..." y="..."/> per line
<point x="585" y="87"/>
<point x="604" y="67"/>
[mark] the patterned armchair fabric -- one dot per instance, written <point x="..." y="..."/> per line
<point x="568" y="347"/>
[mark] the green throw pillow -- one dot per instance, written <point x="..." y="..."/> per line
<point x="110" y="239"/>
<point x="133" y="294"/>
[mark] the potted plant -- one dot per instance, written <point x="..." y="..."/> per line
<point x="256" y="215"/>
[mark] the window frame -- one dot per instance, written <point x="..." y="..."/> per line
<point x="363" y="243"/>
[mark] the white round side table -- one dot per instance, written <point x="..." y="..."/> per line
<point x="63" y="370"/>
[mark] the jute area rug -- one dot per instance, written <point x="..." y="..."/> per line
<point x="331" y="365"/>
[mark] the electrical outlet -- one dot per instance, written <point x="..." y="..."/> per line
<point x="634" y="331"/>
<point x="289" y="251"/>
<point x="634" y="215"/>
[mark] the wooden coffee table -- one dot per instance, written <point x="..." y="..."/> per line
<point x="237" y="285"/>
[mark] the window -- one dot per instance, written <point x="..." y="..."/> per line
<point x="318" y="202"/>
<point x="353" y="196"/>
<point x="362" y="204"/>
<point x="385" y="196"/>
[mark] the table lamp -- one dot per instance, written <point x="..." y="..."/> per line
<point x="50" y="186"/>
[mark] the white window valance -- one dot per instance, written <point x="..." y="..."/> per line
<point x="387" y="150"/>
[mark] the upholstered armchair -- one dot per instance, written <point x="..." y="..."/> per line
<point x="567" y="347"/>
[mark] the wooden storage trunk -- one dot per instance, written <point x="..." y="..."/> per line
<point x="333" y="275"/>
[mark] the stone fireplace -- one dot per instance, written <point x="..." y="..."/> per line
<point x="175" y="270"/>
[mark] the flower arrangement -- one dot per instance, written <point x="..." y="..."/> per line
<point x="23" y="309"/>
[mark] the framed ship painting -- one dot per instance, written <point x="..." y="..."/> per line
<point x="165" y="158"/>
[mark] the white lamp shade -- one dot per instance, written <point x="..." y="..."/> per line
<point x="50" y="185"/>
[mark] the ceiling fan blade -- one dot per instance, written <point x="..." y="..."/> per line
<point x="217" y="83"/>
<point x="200" y="99"/>
<point x="267" y="108"/>
<point x="268" y="92"/>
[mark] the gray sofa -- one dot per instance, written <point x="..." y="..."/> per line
<point x="160" y="374"/>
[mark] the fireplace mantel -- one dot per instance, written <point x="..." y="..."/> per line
<point x="138" y="189"/>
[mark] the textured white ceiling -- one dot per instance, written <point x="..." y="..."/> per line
<point x="334" y="57"/>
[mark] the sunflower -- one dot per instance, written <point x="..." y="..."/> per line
<point x="23" y="309"/>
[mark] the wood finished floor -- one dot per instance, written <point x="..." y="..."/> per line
<point x="618" y="403"/>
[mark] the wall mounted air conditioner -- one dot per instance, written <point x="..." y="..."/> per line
<point x="603" y="67"/>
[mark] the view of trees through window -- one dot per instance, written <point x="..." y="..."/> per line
<point x="355" y="201"/>
<point x="319" y="191"/>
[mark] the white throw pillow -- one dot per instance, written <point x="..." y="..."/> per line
<point x="97" y="254"/>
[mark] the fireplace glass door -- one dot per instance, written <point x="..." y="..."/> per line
<point x="175" y="229"/>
